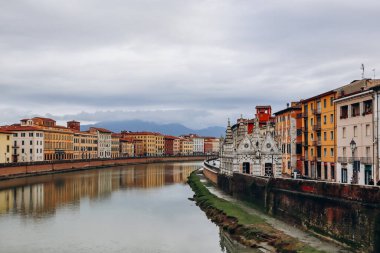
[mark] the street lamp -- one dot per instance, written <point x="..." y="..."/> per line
<point x="353" y="147"/>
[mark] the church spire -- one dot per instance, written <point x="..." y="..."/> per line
<point x="229" y="137"/>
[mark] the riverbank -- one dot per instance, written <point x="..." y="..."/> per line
<point x="34" y="169"/>
<point x="246" y="228"/>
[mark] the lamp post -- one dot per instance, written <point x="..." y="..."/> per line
<point x="354" y="179"/>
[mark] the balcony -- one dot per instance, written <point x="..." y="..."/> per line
<point x="317" y="127"/>
<point x="342" y="159"/>
<point x="316" y="111"/>
<point x="366" y="160"/>
<point x="317" y="143"/>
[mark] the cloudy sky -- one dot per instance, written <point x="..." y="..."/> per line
<point x="194" y="62"/>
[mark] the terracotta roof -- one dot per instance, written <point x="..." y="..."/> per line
<point x="142" y="133"/>
<point x="171" y="137"/>
<point x="18" y="127"/>
<point x="116" y="135"/>
<point x="290" y="108"/>
<point x="263" y="106"/>
<point x="5" y="132"/>
<point x="47" y="119"/>
<point x="102" y="130"/>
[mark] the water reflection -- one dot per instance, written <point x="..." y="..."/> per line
<point x="44" y="194"/>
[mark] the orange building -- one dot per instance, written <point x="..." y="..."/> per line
<point x="289" y="136"/>
<point x="319" y="136"/>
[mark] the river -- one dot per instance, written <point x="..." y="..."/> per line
<point x="135" y="208"/>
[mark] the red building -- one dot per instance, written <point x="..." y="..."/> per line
<point x="169" y="145"/>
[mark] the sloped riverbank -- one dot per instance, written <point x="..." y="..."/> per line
<point x="248" y="229"/>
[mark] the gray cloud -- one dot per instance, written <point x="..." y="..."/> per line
<point x="209" y="60"/>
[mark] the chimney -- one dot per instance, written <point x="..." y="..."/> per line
<point x="287" y="105"/>
<point x="74" y="125"/>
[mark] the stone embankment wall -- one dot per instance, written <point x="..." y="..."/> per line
<point x="346" y="213"/>
<point x="36" y="169"/>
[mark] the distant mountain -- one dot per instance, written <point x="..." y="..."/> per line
<point x="169" y="129"/>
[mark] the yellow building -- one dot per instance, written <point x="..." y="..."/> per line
<point x="58" y="140"/>
<point x="186" y="146"/>
<point x="85" y="145"/>
<point x="160" y="144"/>
<point x="319" y="136"/>
<point x="127" y="147"/>
<point x="153" y="143"/>
<point x="115" y="145"/>
<point x="5" y="146"/>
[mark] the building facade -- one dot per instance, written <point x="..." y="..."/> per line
<point x="115" y="145"/>
<point x="356" y="142"/>
<point x="255" y="154"/>
<point x="319" y="136"/>
<point x="104" y="141"/>
<point x="289" y="136"/>
<point x="5" y="146"/>
<point x="58" y="140"/>
<point x="27" y="143"/>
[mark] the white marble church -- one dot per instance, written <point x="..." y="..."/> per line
<point x="257" y="153"/>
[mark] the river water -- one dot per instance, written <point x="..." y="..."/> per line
<point x="136" y="208"/>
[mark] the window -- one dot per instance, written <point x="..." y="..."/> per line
<point x="324" y="119"/>
<point x="331" y="152"/>
<point x="324" y="136"/>
<point x="325" y="152"/>
<point x="368" y="151"/>
<point x="331" y="101"/>
<point x="355" y="110"/>
<point x="30" y="134"/>
<point x="344" y="175"/>
<point x="332" y="167"/>
<point x="22" y="151"/>
<point x="331" y="135"/>
<point x="311" y="136"/>
<point x="31" y="142"/>
<point x="331" y="118"/>
<point x="22" y="134"/>
<point x="311" y="121"/>
<point x="8" y="148"/>
<point x="344" y="112"/>
<point x="355" y="131"/>
<point x="367" y="130"/>
<point x="367" y="106"/>
<point x="326" y="175"/>
<point x="8" y="137"/>
<point x="22" y="143"/>
<point x="31" y="151"/>
<point x="343" y="132"/>
<point x="312" y="152"/>
<point x="324" y="103"/>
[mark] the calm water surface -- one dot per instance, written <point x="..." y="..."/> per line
<point x="142" y="208"/>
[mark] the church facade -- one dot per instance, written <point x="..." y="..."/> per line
<point x="255" y="153"/>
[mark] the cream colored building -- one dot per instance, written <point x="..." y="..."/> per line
<point x="104" y="141"/>
<point x="27" y="143"/>
<point x="115" y="145"/>
<point x="355" y="138"/>
<point x="186" y="146"/>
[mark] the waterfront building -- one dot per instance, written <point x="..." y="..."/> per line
<point x="85" y="142"/>
<point x="319" y="136"/>
<point x="27" y="143"/>
<point x="115" y="145"/>
<point x="186" y="146"/>
<point x="127" y="147"/>
<point x="255" y="153"/>
<point x="357" y="132"/>
<point x="5" y="146"/>
<point x="211" y="145"/>
<point x="160" y="144"/>
<point x="58" y="140"/>
<point x="169" y="144"/>
<point x="104" y="141"/>
<point x="199" y="143"/>
<point x="289" y="136"/>
<point x="153" y="143"/>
